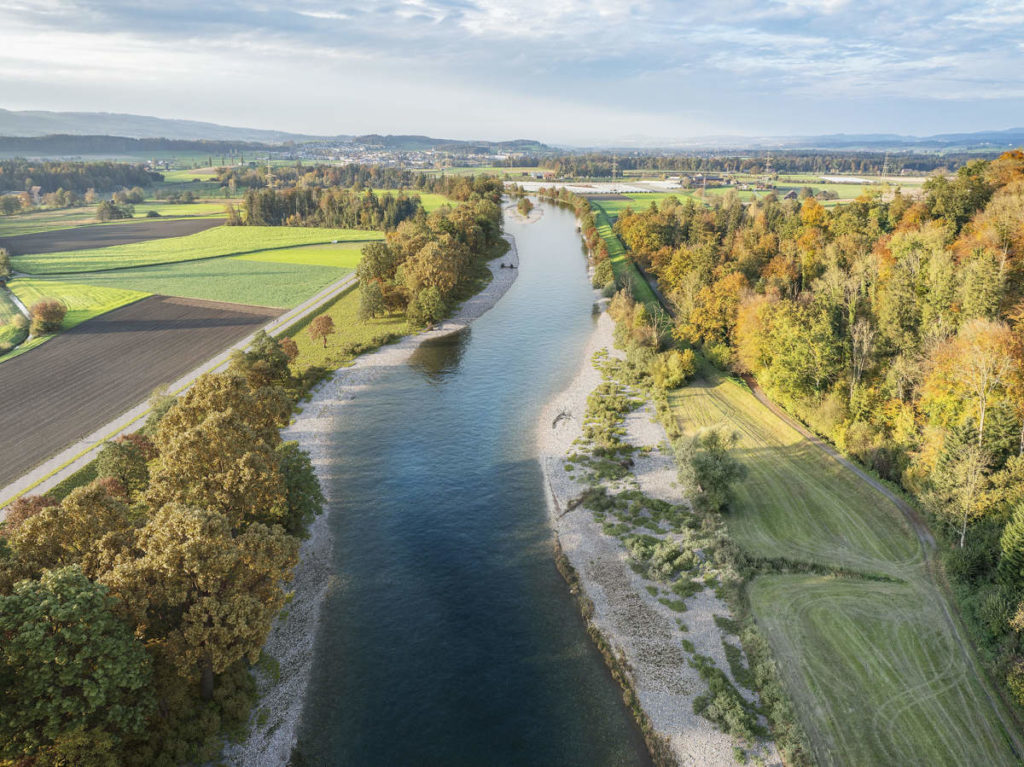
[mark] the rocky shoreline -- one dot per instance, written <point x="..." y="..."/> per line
<point x="274" y="725"/>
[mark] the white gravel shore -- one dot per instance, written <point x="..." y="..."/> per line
<point x="274" y="725"/>
<point x="640" y="631"/>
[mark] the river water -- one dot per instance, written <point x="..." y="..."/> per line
<point x="451" y="638"/>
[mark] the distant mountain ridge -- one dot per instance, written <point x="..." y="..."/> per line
<point x="131" y="126"/>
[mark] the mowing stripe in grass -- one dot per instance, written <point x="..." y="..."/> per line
<point x="622" y="265"/>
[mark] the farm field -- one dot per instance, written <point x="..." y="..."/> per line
<point x="47" y="220"/>
<point x="79" y="380"/>
<point x="83" y="301"/>
<point x="341" y="256"/>
<point x="211" y="243"/>
<point x="258" y="283"/>
<point x="622" y="265"/>
<point x="103" y="235"/>
<point x="873" y="666"/>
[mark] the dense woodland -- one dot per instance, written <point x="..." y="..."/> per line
<point x="21" y="175"/>
<point x="893" y="327"/>
<point x="424" y="266"/>
<point x="353" y="176"/>
<point x="131" y="607"/>
<point x="337" y="208"/>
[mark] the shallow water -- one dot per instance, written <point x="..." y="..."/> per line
<point x="451" y="638"/>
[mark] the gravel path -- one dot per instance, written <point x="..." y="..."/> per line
<point x="643" y="632"/>
<point x="274" y="726"/>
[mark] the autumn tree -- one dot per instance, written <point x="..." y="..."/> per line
<point x="22" y="508"/>
<point x="321" y="327"/>
<point x="89" y="528"/>
<point x="957" y="492"/>
<point x="975" y="366"/>
<point x="217" y="451"/>
<point x="70" y="671"/>
<point x="290" y="349"/>
<point x="203" y="593"/>
<point x="125" y="460"/>
<point x="47" y="316"/>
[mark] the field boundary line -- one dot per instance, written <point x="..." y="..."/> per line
<point x="76" y="456"/>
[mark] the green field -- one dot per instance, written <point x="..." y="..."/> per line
<point x="49" y="220"/>
<point x="872" y="665"/>
<point x="622" y="264"/>
<point x="212" y="243"/>
<point x="8" y="311"/>
<point x="341" y="256"/>
<point x="279" y="285"/>
<point x="83" y="301"/>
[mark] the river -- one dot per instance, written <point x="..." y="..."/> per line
<point x="451" y="639"/>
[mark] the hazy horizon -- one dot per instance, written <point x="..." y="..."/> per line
<point x="563" y="71"/>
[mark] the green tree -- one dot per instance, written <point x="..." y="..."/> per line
<point x="304" y="498"/>
<point x="68" y="667"/>
<point x="371" y="300"/>
<point x="6" y="270"/>
<point x="205" y="594"/>
<point x="1011" y="545"/>
<point x="713" y="470"/>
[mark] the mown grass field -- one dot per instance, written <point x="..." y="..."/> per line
<point x="622" y="264"/>
<point x="212" y="243"/>
<point x="873" y="666"/>
<point x="876" y="674"/>
<point x="48" y="220"/>
<point x="349" y="332"/>
<point x="260" y="283"/>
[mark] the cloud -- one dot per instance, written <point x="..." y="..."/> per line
<point x="571" y="68"/>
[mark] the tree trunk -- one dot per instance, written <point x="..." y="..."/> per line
<point x="206" y="679"/>
<point x="963" y="532"/>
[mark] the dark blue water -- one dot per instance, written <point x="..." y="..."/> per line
<point x="452" y="639"/>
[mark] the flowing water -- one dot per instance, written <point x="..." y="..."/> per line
<point x="451" y="638"/>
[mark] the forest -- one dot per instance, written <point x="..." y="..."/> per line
<point x="894" y="328"/>
<point x="336" y="208"/>
<point x="424" y="266"/>
<point x="21" y="175"/>
<point x="601" y="164"/>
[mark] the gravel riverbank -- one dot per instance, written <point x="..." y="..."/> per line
<point x="274" y="726"/>
<point x="642" y="634"/>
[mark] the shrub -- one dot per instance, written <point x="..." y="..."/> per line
<point x="603" y="274"/>
<point x="47" y="316"/>
<point x="673" y="368"/>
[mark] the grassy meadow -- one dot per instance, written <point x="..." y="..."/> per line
<point x="622" y="264"/>
<point x="351" y="334"/>
<point x="869" y="657"/>
<point x="211" y="243"/>
<point x="83" y="301"/>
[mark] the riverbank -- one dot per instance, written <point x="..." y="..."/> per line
<point x="649" y="642"/>
<point x="283" y="682"/>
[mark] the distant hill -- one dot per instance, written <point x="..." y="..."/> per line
<point x="422" y="143"/>
<point x="63" y="145"/>
<point x="130" y="126"/>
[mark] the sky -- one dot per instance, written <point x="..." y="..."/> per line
<point x="572" y="72"/>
